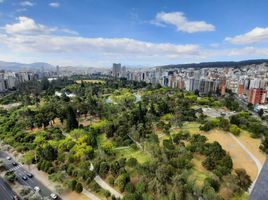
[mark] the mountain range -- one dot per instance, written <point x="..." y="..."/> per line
<point x="216" y="64"/>
<point x="14" y="66"/>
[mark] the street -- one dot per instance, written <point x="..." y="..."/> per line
<point x="6" y="192"/>
<point x="21" y="171"/>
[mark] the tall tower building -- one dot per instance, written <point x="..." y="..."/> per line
<point x="116" y="70"/>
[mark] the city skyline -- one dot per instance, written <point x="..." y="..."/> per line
<point x="97" y="33"/>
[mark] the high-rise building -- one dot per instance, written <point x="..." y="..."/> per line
<point x="257" y="96"/>
<point x="116" y="70"/>
<point x="123" y="72"/>
<point x="58" y="69"/>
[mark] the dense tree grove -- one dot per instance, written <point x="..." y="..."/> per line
<point x="67" y="135"/>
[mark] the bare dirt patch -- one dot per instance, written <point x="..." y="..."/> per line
<point x="240" y="158"/>
<point x="252" y="145"/>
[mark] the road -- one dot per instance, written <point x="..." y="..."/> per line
<point x="260" y="191"/>
<point x="21" y="171"/>
<point x="6" y="192"/>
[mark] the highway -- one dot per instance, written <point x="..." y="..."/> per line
<point x="20" y="171"/>
<point x="6" y="192"/>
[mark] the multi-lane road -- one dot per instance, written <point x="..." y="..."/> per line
<point x="20" y="171"/>
<point x="6" y="192"/>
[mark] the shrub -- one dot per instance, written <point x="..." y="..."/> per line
<point x="234" y="129"/>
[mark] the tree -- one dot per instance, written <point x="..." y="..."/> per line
<point x="210" y="194"/>
<point x="104" y="169"/>
<point x="209" y="163"/>
<point x="108" y="147"/>
<point x="250" y="106"/>
<point x="10" y="176"/>
<point x="234" y="129"/>
<point x="72" y="123"/>
<point x="2" y="165"/>
<point x="224" y="124"/>
<point x="132" y="162"/>
<point x="78" y="188"/>
<point x="261" y="112"/>
<point x="73" y="184"/>
<point x="49" y="153"/>
<point x="213" y="181"/>
<point x="244" y="179"/>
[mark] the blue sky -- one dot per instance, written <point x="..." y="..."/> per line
<point x="141" y="32"/>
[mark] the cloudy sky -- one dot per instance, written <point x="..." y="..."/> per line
<point x="133" y="32"/>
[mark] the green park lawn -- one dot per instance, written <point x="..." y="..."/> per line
<point x="132" y="153"/>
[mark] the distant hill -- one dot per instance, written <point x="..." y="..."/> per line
<point x="14" y="66"/>
<point x="215" y="64"/>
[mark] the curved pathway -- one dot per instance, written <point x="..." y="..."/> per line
<point x="257" y="162"/>
<point x="90" y="195"/>
<point x="105" y="186"/>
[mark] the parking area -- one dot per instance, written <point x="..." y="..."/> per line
<point x="213" y="112"/>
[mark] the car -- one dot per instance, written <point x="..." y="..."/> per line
<point x="14" y="163"/>
<point x="37" y="189"/>
<point x="8" y="158"/>
<point x="24" y="177"/>
<point x="30" y="175"/>
<point x="54" y="196"/>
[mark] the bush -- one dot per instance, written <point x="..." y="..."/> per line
<point x="73" y="184"/>
<point x="132" y="162"/>
<point x="78" y="188"/>
<point x="234" y="129"/>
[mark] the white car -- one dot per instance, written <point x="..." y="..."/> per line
<point x="54" y="196"/>
<point x="8" y="158"/>
<point x="37" y="189"/>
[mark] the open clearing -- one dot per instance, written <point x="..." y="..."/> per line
<point x="240" y="158"/>
<point x="252" y="145"/>
<point x="133" y="153"/>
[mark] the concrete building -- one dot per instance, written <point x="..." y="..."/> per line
<point x="116" y="70"/>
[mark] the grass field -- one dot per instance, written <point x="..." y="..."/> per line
<point x="90" y="81"/>
<point x="133" y="153"/>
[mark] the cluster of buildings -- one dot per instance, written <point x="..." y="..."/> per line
<point x="249" y="82"/>
<point x="9" y="80"/>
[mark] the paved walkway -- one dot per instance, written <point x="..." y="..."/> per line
<point x="257" y="162"/>
<point x="90" y="195"/>
<point x="105" y="186"/>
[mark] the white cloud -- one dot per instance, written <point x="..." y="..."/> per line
<point x="104" y="46"/>
<point x="27" y="25"/>
<point x="54" y="4"/>
<point x="27" y="3"/>
<point x="28" y="40"/>
<point x="256" y="35"/>
<point x="27" y="35"/>
<point x="182" y="23"/>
